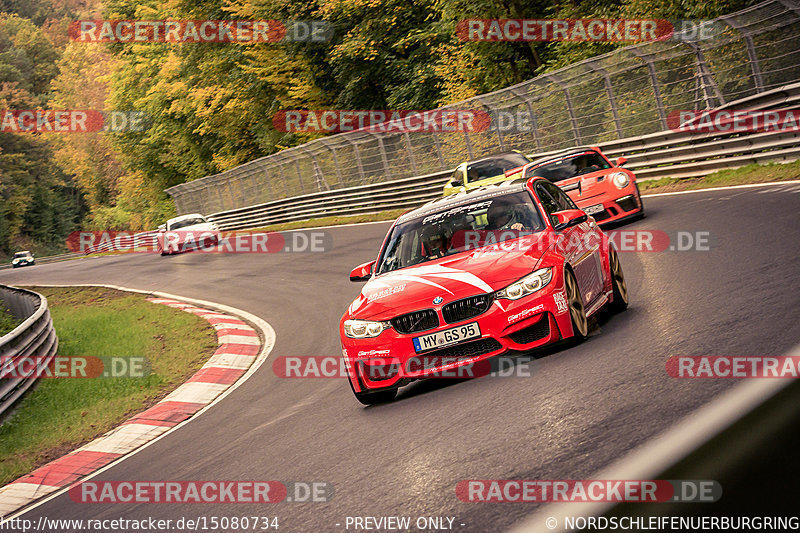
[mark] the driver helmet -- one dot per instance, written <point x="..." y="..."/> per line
<point x="433" y="239"/>
<point x="499" y="214"/>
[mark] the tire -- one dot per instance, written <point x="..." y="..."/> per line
<point x="641" y="203"/>
<point x="577" y="313"/>
<point x="618" y="284"/>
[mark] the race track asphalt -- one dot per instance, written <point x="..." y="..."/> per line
<point x="582" y="407"/>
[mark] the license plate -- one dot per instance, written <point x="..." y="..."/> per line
<point x="593" y="209"/>
<point x="446" y="337"/>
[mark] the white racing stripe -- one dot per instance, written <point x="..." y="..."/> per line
<point x="423" y="273"/>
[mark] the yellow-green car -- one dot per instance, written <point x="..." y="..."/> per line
<point x="493" y="169"/>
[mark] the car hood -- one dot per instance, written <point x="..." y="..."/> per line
<point x="479" y="271"/>
<point x="206" y="226"/>
<point x="591" y="186"/>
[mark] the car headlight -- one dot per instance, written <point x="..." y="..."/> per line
<point x="364" y="329"/>
<point x="527" y="285"/>
<point x="620" y="180"/>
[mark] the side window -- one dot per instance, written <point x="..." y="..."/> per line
<point x="562" y="201"/>
<point x="549" y="204"/>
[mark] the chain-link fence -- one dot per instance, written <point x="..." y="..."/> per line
<point x="626" y="93"/>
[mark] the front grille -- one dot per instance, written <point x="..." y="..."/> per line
<point x="467" y="308"/>
<point x="416" y="321"/>
<point x="532" y="333"/>
<point x="628" y="204"/>
<point x="467" y="349"/>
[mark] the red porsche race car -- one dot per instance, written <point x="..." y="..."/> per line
<point x="598" y="185"/>
<point x="474" y="275"/>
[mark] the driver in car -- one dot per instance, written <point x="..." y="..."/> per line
<point x="583" y="166"/>
<point x="435" y="244"/>
<point x="580" y="164"/>
<point x="502" y="216"/>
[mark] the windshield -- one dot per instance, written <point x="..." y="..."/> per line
<point x="21" y="254"/>
<point x="457" y="229"/>
<point x="186" y="222"/>
<point x="495" y="166"/>
<point x="567" y="167"/>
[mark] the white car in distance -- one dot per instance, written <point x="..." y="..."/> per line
<point x="186" y="232"/>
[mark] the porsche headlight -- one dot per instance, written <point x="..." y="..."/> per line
<point x="527" y="285"/>
<point x="364" y="329"/>
<point x="620" y="180"/>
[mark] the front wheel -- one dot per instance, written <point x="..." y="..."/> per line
<point x="618" y="284"/>
<point x="580" y="324"/>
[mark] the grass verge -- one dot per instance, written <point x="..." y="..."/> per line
<point x="7" y="320"/>
<point x="59" y="415"/>
<point x="768" y="173"/>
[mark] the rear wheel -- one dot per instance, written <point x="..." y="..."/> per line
<point x="620" y="302"/>
<point x="580" y="324"/>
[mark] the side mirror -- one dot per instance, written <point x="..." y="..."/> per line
<point x="567" y="219"/>
<point x="362" y="272"/>
<point x="456" y="183"/>
<point x="620" y="161"/>
<point x="162" y="227"/>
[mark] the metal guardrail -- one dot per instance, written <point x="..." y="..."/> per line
<point x="658" y="155"/>
<point x="34" y="338"/>
<point x="49" y="259"/>
<point x="626" y="94"/>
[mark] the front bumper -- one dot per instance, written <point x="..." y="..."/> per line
<point x="390" y="360"/>
<point x="626" y="204"/>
